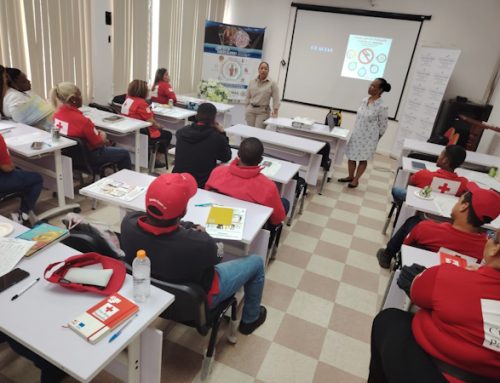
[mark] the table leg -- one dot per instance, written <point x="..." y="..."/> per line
<point x="134" y="357"/>
<point x="137" y="165"/>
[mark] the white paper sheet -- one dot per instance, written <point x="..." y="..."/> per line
<point x="11" y="252"/>
<point x="117" y="189"/>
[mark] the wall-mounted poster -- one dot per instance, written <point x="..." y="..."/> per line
<point x="232" y="54"/>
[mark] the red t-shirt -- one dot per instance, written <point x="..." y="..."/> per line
<point x="136" y="107"/>
<point x="72" y="123"/>
<point x="248" y="184"/>
<point x="4" y="153"/>
<point x="424" y="178"/>
<point x="433" y="235"/>
<point x="163" y="92"/>
<point x="460" y="318"/>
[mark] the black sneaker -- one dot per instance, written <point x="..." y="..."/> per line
<point x="159" y="164"/>
<point x="384" y="260"/>
<point x="248" y="328"/>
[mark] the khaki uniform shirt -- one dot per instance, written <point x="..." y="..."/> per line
<point x="259" y="93"/>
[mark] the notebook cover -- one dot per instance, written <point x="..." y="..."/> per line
<point x="219" y="215"/>
<point x="44" y="235"/>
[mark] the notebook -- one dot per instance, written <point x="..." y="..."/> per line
<point x="43" y="235"/>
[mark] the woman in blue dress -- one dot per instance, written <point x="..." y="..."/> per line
<point x="370" y="125"/>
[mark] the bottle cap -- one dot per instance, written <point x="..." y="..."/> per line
<point x="141" y="253"/>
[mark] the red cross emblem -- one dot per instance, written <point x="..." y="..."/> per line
<point x="444" y="188"/>
<point x="59" y="125"/>
<point x="109" y="308"/>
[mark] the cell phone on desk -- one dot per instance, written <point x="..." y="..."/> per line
<point x="36" y="145"/>
<point x="12" y="277"/>
<point x="112" y="118"/>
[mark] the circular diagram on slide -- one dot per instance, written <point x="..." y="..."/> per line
<point x="366" y="56"/>
<point x="362" y="72"/>
<point x="352" y="65"/>
<point x="373" y="68"/>
<point x="381" y="58"/>
<point x="351" y="54"/>
<point x="231" y="70"/>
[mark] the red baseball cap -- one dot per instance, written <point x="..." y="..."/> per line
<point x="170" y="193"/>
<point x="485" y="203"/>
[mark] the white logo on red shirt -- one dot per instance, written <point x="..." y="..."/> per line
<point x="491" y="322"/>
<point x="126" y="105"/>
<point x="62" y="126"/>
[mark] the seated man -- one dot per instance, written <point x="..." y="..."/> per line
<point x="200" y="145"/>
<point x="450" y="158"/>
<point x="242" y="179"/>
<point x="453" y="338"/>
<point x="17" y="180"/>
<point x="181" y="252"/>
<point x="473" y="209"/>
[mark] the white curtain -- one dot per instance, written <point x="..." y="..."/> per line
<point x="49" y="40"/>
<point x="181" y="33"/>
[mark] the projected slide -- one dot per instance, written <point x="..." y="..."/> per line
<point x="366" y="57"/>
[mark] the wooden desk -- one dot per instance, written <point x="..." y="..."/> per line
<point x="122" y="131"/>
<point x="336" y="137"/>
<point x="37" y="318"/>
<point x="482" y="179"/>
<point x="441" y="206"/>
<point x="223" y="110"/>
<point x="58" y="170"/>
<point x="255" y="239"/>
<point x="295" y="149"/>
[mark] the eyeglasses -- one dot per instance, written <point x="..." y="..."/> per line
<point x="493" y="235"/>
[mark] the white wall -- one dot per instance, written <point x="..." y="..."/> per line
<point x="102" y="53"/>
<point x="471" y="26"/>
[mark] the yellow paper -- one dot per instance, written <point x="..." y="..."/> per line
<point x="220" y="215"/>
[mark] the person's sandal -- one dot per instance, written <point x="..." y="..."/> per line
<point x="345" y="179"/>
<point x="352" y="186"/>
<point x="248" y="328"/>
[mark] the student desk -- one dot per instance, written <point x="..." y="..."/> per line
<point x="283" y="178"/>
<point x="336" y="137"/>
<point x="57" y="170"/>
<point x="299" y="150"/>
<point x="171" y="119"/>
<point x="223" y="110"/>
<point x="441" y="205"/>
<point x="122" y="130"/>
<point x="473" y="158"/>
<point x="396" y="297"/>
<point x="255" y="239"/>
<point x="36" y="320"/>
<point x="482" y="179"/>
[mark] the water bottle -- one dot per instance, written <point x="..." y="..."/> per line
<point x="141" y="272"/>
<point x="55" y="134"/>
<point x="171" y="103"/>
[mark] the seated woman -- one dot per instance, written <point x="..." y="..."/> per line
<point x="455" y="337"/>
<point x="22" y="105"/>
<point x="67" y="98"/>
<point x="135" y="106"/>
<point x="16" y="180"/>
<point x="162" y="91"/>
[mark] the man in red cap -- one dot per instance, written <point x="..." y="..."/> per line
<point x="473" y="209"/>
<point x="182" y="252"/>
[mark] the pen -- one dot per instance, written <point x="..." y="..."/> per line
<point x="117" y="334"/>
<point x="204" y="204"/>
<point x="25" y="289"/>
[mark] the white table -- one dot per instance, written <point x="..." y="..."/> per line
<point x="223" y="110"/>
<point x="171" y="119"/>
<point x="336" y="137"/>
<point x="482" y="179"/>
<point x="54" y="306"/>
<point x="299" y="150"/>
<point x="19" y="140"/>
<point x="122" y="129"/>
<point x="474" y="158"/>
<point x="255" y="239"/>
<point x="414" y="203"/>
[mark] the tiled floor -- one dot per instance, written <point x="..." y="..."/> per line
<point x="321" y="292"/>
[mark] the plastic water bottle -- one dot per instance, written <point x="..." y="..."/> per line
<point x="141" y="272"/>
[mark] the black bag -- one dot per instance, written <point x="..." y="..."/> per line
<point x="408" y="274"/>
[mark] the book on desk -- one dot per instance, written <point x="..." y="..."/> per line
<point x="226" y="222"/>
<point x="43" y="235"/>
<point x="103" y="317"/>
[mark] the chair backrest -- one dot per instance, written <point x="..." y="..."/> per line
<point x="10" y="195"/>
<point x="80" y="155"/>
<point x="119" y="99"/>
<point x="105" y="108"/>
<point x="444" y="186"/>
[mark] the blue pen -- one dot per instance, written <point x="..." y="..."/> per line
<point x="117" y="334"/>
<point x="204" y="204"/>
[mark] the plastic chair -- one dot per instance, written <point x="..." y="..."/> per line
<point x="300" y="193"/>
